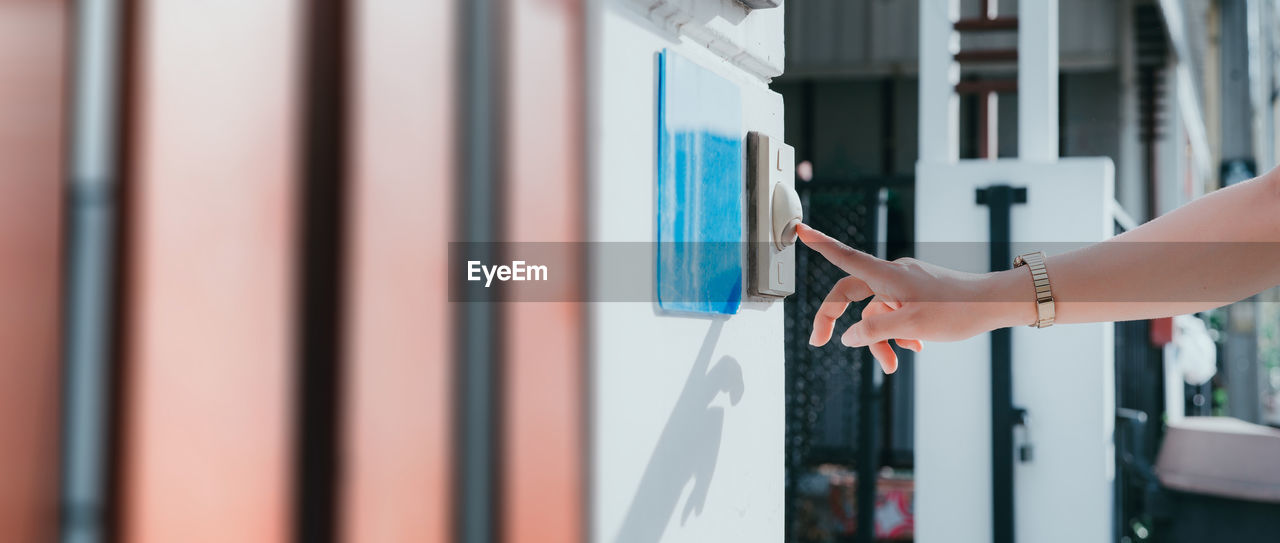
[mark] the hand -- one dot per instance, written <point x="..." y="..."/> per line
<point x="912" y="301"/>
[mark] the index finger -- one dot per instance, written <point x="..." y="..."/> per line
<point x="851" y="260"/>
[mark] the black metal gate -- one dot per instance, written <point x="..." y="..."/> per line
<point x="836" y="408"/>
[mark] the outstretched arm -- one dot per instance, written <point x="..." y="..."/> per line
<point x="1215" y="250"/>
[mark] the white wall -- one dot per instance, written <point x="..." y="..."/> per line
<point x="687" y="412"/>
<point x="1063" y="375"/>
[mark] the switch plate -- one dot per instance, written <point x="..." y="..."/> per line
<point x="770" y="166"/>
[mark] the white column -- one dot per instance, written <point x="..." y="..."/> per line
<point x="1037" y="79"/>
<point x="939" y="73"/>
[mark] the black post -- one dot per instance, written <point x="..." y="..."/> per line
<point x="320" y="279"/>
<point x="999" y="198"/>
<point x="868" y="458"/>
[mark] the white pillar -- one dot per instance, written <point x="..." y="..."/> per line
<point x="1037" y="79"/>
<point x="939" y="73"/>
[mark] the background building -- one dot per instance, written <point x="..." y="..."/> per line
<point x="1179" y="94"/>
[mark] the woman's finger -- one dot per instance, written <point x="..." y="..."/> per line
<point x="884" y="353"/>
<point x="881" y="325"/>
<point x="880" y="306"/>
<point x="878" y="309"/>
<point x="910" y="344"/>
<point x="850" y="260"/>
<point x="845" y="291"/>
<point x="881" y="349"/>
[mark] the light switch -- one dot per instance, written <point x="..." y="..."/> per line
<point x="773" y="211"/>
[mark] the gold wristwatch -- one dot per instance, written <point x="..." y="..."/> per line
<point x="1040" y="278"/>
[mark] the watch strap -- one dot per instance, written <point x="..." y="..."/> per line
<point x="1045" y="310"/>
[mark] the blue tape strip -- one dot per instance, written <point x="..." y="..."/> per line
<point x="700" y="189"/>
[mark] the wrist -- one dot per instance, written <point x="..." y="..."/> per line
<point x="1008" y="298"/>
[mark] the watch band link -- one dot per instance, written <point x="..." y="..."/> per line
<point x="1044" y="292"/>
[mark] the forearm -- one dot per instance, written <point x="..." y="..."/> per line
<point x="1215" y="250"/>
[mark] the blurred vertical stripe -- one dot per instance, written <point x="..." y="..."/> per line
<point x="320" y="272"/>
<point x="289" y="367"/>
<point x="33" y="68"/>
<point x="89" y="265"/>
<point x="208" y="329"/>
<point x="398" y="394"/>
<point x="544" y="463"/>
